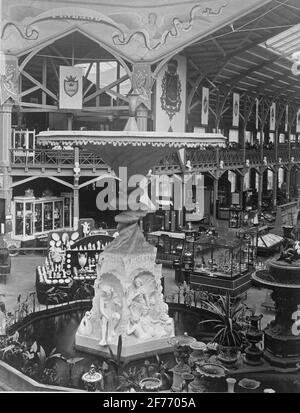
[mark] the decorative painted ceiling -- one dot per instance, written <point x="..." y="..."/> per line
<point x="134" y="29"/>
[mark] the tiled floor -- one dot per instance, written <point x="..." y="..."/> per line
<point x="22" y="281"/>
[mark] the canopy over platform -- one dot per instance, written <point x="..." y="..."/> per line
<point x="138" y="151"/>
<point x="132" y="138"/>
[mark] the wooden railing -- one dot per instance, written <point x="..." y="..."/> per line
<point x="54" y="158"/>
<point x="200" y="159"/>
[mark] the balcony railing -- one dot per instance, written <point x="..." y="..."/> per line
<point x="199" y="159"/>
<point x="53" y="158"/>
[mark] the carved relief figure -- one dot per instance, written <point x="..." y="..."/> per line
<point x="109" y="310"/>
<point x="137" y="300"/>
<point x="86" y="326"/>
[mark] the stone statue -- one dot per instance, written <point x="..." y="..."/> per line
<point x="86" y="228"/>
<point x="109" y="314"/>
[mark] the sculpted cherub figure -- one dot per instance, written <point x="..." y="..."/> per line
<point x="109" y="309"/>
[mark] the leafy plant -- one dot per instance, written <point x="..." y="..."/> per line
<point x="49" y="376"/>
<point x="115" y="362"/>
<point x="226" y="320"/>
<point x="162" y="369"/>
<point x="36" y="362"/>
<point x="12" y="351"/>
<point x="130" y="379"/>
<point x="56" y="296"/>
<point x="84" y="291"/>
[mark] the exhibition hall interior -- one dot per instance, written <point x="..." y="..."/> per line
<point x="150" y="196"/>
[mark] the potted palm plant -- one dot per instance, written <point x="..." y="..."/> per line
<point x="226" y="320"/>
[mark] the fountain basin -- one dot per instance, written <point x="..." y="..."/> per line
<point x="281" y="336"/>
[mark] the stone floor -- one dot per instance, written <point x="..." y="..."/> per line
<point x="22" y="281"/>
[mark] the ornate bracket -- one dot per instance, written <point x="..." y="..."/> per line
<point x="9" y="78"/>
<point x="142" y="81"/>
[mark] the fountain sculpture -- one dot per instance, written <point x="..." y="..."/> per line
<point x="282" y="335"/>
<point x="128" y="297"/>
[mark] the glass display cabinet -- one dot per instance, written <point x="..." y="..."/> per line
<point x="217" y="265"/>
<point x="38" y="216"/>
<point x="169" y="245"/>
<point x="217" y="257"/>
<point x="70" y="267"/>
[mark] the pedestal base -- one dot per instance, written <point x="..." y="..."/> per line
<point x="282" y="364"/>
<point x="137" y="351"/>
<point x="282" y="351"/>
<point x="253" y="356"/>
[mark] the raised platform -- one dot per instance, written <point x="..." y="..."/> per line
<point x="136" y="351"/>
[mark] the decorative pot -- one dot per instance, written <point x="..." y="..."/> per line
<point x="254" y="336"/>
<point x="198" y="352"/>
<point x="150" y="384"/>
<point x="93" y="380"/>
<point x="228" y="355"/>
<point x="82" y="260"/>
<point x="182" y="351"/>
<point x="187" y="379"/>
<point x="205" y="376"/>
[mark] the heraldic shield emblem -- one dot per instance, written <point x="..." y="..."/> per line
<point x="171" y="90"/>
<point x="71" y="85"/>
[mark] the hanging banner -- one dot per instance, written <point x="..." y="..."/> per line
<point x="298" y="122"/>
<point x="170" y="101"/>
<point x="205" y="106"/>
<point x="273" y="116"/>
<point x="9" y="76"/>
<point x="286" y="123"/>
<point x="236" y="109"/>
<point x="70" y="87"/>
<point x="256" y="113"/>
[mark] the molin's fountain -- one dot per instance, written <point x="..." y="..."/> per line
<point x="128" y="297"/>
<point x="282" y="335"/>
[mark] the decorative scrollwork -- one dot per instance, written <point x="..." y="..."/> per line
<point x="27" y="33"/>
<point x="178" y="26"/>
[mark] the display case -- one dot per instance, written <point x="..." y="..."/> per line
<point x="217" y="257"/>
<point x="37" y="216"/>
<point x="217" y="265"/>
<point x="169" y="245"/>
<point x="70" y="267"/>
